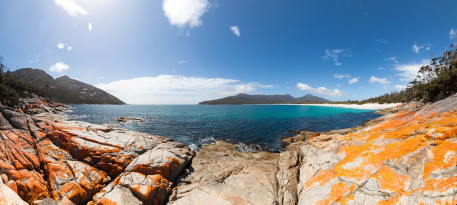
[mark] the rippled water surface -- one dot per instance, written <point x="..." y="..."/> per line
<point x="247" y="124"/>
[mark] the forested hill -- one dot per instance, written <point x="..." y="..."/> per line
<point x="64" y="89"/>
<point x="435" y="81"/>
<point x="241" y="99"/>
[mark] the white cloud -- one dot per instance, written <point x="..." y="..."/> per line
<point x="90" y="26"/>
<point x="353" y="80"/>
<point x="320" y="90"/>
<point x="393" y="59"/>
<point x="382" y="81"/>
<point x="341" y="76"/>
<point x="453" y="34"/>
<point x="381" y="68"/>
<point x="181" y="62"/>
<point x="176" y="89"/>
<point x="400" y="87"/>
<point x="235" y="30"/>
<point x="59" y="67"/>
<point x="335" y="54"/>
<point x="69" y="48"/>
<point x="408" y="72"/>
<point x="428" y="48"/>
<point x="71" y="7"/>
<point x="183" y="13"/>
<point x="417" y="48"/>
<point x="60" y="46"/>
<point x="304" y="87"/>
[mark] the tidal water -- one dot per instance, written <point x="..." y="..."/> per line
<point x="251" y="127"/>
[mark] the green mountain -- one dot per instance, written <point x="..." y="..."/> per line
<point x="241" y="99"/>
<point x="65" y="89"/>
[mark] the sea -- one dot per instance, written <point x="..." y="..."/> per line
<point x="251" y="127"/>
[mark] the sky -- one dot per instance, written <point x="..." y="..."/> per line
<point x="187" y="51"/>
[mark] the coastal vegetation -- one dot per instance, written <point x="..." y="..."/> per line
<point x="435" y="81"/>
<point x="12" y="89"/>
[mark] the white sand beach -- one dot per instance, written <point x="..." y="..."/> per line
<point x="374" y="106"/>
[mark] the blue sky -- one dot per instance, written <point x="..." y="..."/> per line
<point x="186" y="51"/>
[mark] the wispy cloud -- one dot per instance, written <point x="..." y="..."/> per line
<point x="181" y="62"/>
<point x="382" y="81"/>
<point x="59" y="67"/>
<point x="335" y="54"/>
<point x="341" y="76"/>
<point x="353" y="80"/>
<point x="71" y="7"/>
<point x="382" y="41"/>
<point x="350" y="80"/>
<point x="320" y="90"/>
<point x="235" y="30"/>
<point x="453" y="34"/>
<point x="416" y="48"/>
<point x="61" y="46"/>
<point x="393" y="59"/>
<point x="176" y="89"/>
<point x="408" y="72"/>
<point x="184" y="13"/>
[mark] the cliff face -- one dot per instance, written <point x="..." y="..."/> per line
<point x="408" y="157"/>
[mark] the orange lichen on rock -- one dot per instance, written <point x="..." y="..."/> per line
<point x="444" y="157"/>
<point x="163" y="170"/>
<point x="394" y="156"/>
<point x="321" y="178"/>
<point x="339" y="190"/>
<point x="390" y="180"/>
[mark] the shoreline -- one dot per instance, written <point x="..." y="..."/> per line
<point x="390" y="144"/>
<point x="367" y="106"/>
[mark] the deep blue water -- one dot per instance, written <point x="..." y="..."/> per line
<point x="245" y="124"/>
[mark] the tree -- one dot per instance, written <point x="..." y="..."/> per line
<point x="2" y="69"/>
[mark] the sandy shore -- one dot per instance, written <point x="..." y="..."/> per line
<point x="374" y="106"/>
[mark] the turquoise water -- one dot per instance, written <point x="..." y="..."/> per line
<point x="249" y="126"/>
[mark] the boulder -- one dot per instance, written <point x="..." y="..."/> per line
<point x="48" y="162"/>
<point x="221" y="175"/>
<point x="8" y="196"/>
<point x="128" y="119"/>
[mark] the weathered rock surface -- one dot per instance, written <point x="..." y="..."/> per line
<point x="221" y="175"/>
<point x="409" y="158"/>
<point x="8" y="196"/>
<point x="70" y="162"/>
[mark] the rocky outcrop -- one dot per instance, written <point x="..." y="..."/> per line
<point x="43" y="161"/>
<point x="129" y="119"/>
<point x="8" y="196"/>
<point x="408" y="156"/>
<point x="221" y="175"/>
